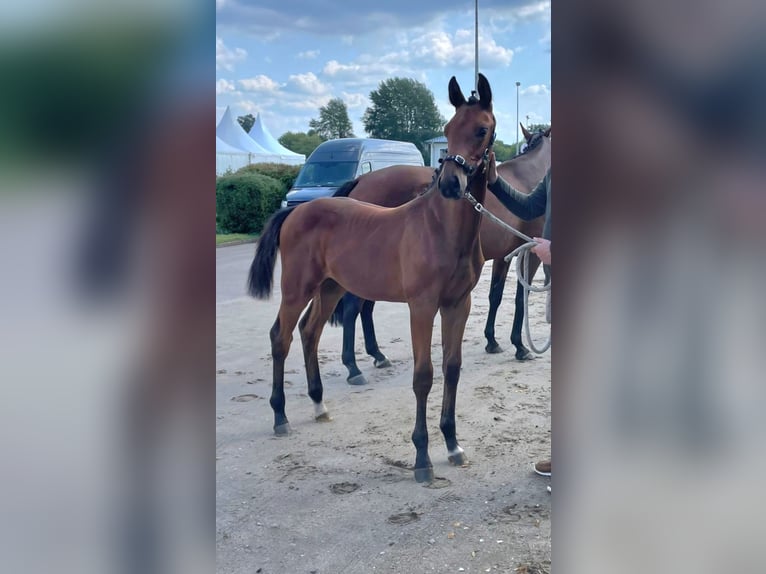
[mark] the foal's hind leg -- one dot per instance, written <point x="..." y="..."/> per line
<point x="454" y="319"/>
<point x="370" y="341"/>
<point x="310" y="327"/>
<point x="522" y="353"/>
<point x="281" y="336"/>
<point x="497" y="285"/>
<point x="351" y="306"/>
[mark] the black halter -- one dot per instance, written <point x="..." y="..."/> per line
<point x="471" y="170"/>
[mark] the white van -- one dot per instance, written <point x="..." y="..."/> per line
<point x="335" y="162"/>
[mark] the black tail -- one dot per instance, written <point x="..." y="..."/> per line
<point x="345" y="189"/>
<point x="336" y="319"/>
<point x="261" y="279"/>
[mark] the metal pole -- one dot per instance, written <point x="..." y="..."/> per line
<point x="476" y="49"/>
<point x="517" y="117"/>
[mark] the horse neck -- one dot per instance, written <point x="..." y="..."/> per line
<point x="459" y="217"/>
<point x="540" y="158"/>
<point x="529" y="167"/>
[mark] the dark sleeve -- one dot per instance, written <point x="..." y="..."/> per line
<point x="520" y="204"/>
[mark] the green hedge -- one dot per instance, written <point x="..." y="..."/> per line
<point x="283" y="173"/>
<point x="244" y="201"/>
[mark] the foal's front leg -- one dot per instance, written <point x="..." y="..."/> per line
<point x="421" y="327"/>
<point x="453" y="326"/>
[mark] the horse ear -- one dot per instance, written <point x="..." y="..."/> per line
<point x="527" y="135"/>
<point x="456" y="97"/>
<point x="547" y="133"/>
<point x="485" y="93"/>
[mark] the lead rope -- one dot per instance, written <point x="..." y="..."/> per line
<point x="522" y="268"/>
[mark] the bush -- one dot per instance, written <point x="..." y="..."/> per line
<point x="245" y="200"/>
<point x="283" y="173"/>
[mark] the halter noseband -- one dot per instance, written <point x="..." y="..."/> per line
<point x="470" y="170"/>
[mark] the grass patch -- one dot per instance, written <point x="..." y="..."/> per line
<point x="226" y="238"/>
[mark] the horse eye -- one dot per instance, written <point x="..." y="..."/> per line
<point x="482" y="132"/>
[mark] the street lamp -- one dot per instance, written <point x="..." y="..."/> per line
<point x="517" y="117"/>
<point x="476" y="48"/>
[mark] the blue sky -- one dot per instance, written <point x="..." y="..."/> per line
<point x="287" y="58"/>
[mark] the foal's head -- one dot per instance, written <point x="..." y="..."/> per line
<point x="470" y="134"/>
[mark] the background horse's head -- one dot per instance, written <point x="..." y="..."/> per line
<point x="470" y="134"/>
<point x="534" y="139"/>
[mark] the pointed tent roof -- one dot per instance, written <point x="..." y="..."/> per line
<point x="260" y="133"/>
<point x="231" y="132"/>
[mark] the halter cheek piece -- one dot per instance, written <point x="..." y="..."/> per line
<point x="470" y="170"/>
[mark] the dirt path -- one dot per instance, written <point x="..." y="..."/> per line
<point x="339" y="497"/>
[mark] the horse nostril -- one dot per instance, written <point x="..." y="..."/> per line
<point x="454" y="185"/>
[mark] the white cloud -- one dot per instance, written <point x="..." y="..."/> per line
<point x="535" y="90"/>
<point x="223" y="86"/>
<point x="249" y="107"/>
<point x="259" y="83"/>
<point x="334" y="68"/>
<point x="442" y="49"/>
<point x="225" y="58"/>
<point x="355" y="100"/>
<point x="541" y="10"/>
<point x="308" y="54"/>
<point x="308" y="83"/>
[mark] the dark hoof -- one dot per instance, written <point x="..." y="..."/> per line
<point x="283" y="429"/>
<point x="493" y="348"/>
<point x="524" y="355"/>
<point x="384" y="364"/>
<point x="459" y="459"/>
<point x="323" y="418"/>
<point x="424" y="474"/>
<point x="357" y="380"/>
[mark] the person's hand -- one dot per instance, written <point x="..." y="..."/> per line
<point x="491" y="169"/>
<point x="542" y="249"/>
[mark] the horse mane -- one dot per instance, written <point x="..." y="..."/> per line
<point x="345" y="189"/>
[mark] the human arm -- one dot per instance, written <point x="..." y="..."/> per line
<point x="526" y="206"/>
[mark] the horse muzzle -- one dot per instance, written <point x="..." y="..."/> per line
<point x="451" y="186"/>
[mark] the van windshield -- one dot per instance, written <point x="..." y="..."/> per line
<point x="326" y="174"/>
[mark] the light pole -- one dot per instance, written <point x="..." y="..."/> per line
<point x="517" y="117"/>
<point x="476" y="48"/>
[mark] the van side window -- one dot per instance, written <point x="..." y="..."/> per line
<point x="366" y="167"/>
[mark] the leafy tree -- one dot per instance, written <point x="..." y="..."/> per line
<point x="333" y="121"/>
<point x="246" y="122"/>
<point x="503" y="151"/>
<point x="534" y="127"/>
<point x="403" y="109"/>
<point x="300" y="142"/>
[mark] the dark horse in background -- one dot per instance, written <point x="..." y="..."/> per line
<point x="425" y="253"/>
<point x="394" y="186"/>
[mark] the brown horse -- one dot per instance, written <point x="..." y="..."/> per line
<point x="394" y="186"/>
<point x="425" y="253"/>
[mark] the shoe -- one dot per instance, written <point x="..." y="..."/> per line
<point x="543" y="468"/>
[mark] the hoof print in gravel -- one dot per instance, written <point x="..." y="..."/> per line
<point x="438" y="482"/>
<point x="343" y="487"/>
<point x="245" y="398"/>
<point x="403" y="518"/>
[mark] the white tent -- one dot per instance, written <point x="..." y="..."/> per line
<point x="231" y="132"/>
<point x="228" y="157"/>
<point x="261" y="135"/>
